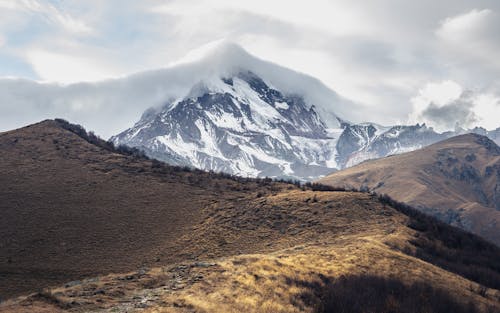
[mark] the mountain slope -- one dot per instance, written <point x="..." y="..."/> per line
<point x="238" y="125"/>
<point x="225" y="59"/>
<point x="456" y="180"/>
<point x="362" y="142"/>
<point x="183" y="241"/>
<point x="73" y="209"/>
<point x="242" y="115"/>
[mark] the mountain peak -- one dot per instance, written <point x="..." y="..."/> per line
<point x="221" y="58"/>
<point x="215" y="49"/>
<point x="225" y="59"/>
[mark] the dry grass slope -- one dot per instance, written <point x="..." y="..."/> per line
<point x="71" y="209"/>
<point x="456" y="180"/>
<point x="154" y="238"/>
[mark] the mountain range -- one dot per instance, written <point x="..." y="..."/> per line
<point x="245" y="116"/>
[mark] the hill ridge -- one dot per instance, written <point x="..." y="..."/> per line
<point x="456" y="180"/>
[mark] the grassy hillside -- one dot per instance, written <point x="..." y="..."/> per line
<point x="456" y="180"/>
<point x="88" y="228"/>
<point x="72" y="209"/>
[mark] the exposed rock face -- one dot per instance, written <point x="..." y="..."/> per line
<point x="369" y="141"/>
<point x="241" y="125"/>
<point x="238" y="125"/>
<point x="354" y="138"/>
<point x="496" y="196"/>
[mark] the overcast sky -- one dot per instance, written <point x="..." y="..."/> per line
<point x="414" y="61"/>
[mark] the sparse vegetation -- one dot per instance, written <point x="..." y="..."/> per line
<point x="451" y="248"/>
<point x="322" y="187"/>
<point x="47" y="295"/>
<point x="454" y="180"/>
<point x="89" y="136"/>
<point x="163" y="167"/>
<point x="374" y="294"/>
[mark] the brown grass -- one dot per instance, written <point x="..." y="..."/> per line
<point x="453" y="180"/>
<point x="188" y="241"/>
<point x="349" y="234"/>
<point x="71" y="209"/>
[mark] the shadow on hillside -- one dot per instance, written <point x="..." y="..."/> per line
<point x="373" y="294"/>
<point x="451" y="248"/>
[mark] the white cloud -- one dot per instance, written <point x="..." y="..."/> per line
<point x="446" y="105"/>
<point x="439" y="93"/>
<point x="112" y="105"/>
<point x="463" y="25"/>
<point x="64" y="68"/>
<point x="2" y="40"/>
<point x="487" y="107"/>
<point x="67" y="22"/>
<point x="7" y="4"/>
<point x="378" y="52"/>
<point x="319" y="15"/>
<point x="472" y="37"/>
<point x="48" y="12"/>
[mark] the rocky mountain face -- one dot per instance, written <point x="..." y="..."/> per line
<point x="361" y="142"/>
<point x="358" y="143"/>
<point x="241" y="125"/>
<point x="238" y="125"/>
<point x="248" y="117"/>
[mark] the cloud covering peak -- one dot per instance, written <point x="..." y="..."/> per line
<point x="111" y="105"/>
<point x="381" y="53"/>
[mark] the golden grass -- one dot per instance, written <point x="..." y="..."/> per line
<point x="327" y="235"/>
<point x="275" y="282"/>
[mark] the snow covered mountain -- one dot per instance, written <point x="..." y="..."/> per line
<point x="239" y="125"/>
<point x="244" y="116"/>
<point x="249" y="117"/>
<point x="361" y="142"/>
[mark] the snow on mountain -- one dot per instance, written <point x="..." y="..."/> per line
<point x="240" y="125"/>
<point x="226" y="59"/>
<point x="369" y="141"/>
<point x="229" y="111"/>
